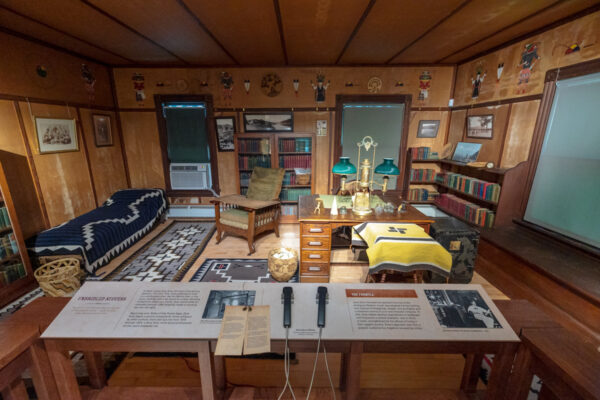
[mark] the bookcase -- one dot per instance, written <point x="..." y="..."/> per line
<point x="292" y="151"/>
<point x="484" y="197"/>
<point x="17" y="199"/>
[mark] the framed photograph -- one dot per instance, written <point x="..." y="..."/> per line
<point x="480" y="126"/>
<point x="428" y="129"/>
<point x="102" y="130"/>
<point x="269" y="122"/>
<point x="56" y="135"/>
<point x="466" y="152"/>
<point x="225" y="127"/>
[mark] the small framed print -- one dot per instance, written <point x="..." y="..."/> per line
<point x="480" y="126"/>
<point x="56" y="135"/>
<point x="269" y="122"/>
<point x="102" y="130"/>
<point x="225" y="127"/>
<point x="428" y="129"/>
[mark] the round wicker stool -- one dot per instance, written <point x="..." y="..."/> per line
<point x="283" y="263"/>
<point x="59" y="278"/>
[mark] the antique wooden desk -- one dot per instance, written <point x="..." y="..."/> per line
<point x="316" y="230"/>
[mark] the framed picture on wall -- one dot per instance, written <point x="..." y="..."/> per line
<point x="102" y="130"/>
<point x="428" y="129"/>
<point x="56" y="135"/>
<point x="480" y="126"/>
<point x="466" y="152"/>
<point x="269" y="122"/>
<point x="225" y="128"/>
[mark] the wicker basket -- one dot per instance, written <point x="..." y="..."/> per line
<point x="59" y="278"/>
<point x="303" y="179"/>
<point x="282" y="269"/>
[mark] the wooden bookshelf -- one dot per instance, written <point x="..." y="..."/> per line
<point x="282" y="147"/>
<point x="511" y="181"/>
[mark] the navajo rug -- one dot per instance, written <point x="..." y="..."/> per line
<point x="235" y="270"/>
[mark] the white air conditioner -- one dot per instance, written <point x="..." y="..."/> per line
<point x="190" y="176"/>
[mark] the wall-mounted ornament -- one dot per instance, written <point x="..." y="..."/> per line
<point x="321" y="127"/>
<point x="41" y="70"/>
<point x="476" y="82"/>
<point x="182" y="85"/>
<point x="247" y="85"/>
<point x="271" y="84"/>
<point x="227" y="82"/>
<point x="89" y="81"/>
<point x="350" y="84"/>
<point x="424" y="85"/>
<point x="374" y="84"/>
<point x="320" y="88"/>
<point x="138" y="86"/>
<point x="529" y="58"/>
<point x="296" y="84"/>
<point x="399" y="84"/>
<point x="499" y="72"/>
<point x="163" y="83"/>
<point x="572" y="48"/>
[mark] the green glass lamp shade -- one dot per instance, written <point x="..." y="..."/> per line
<point x="387" y="167"/>
<point x="344" y="167"/>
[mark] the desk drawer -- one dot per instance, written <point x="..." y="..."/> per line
<point x="314" y="269"/>
<point x="315" y="243"/>
<point x="314" y="278"/>
<point x="315" y="256"/>
<point x="315" y="229"/>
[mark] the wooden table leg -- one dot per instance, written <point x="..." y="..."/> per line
<point x="41" y="372"/>
<point x="95" y="369"/>
<point x="207" y="372"/>
<point x="343" y="366"/>
<point x="220" y="373"/>
<point x="471" y="372"/>
<point x="501" y="367"/>
<point x="62" y="368"/>
<point x="15" y="391"/>
<point x="352" y="371"/>
<point x="522" y="374"/>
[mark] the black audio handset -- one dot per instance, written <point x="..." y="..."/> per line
<point x="287" y="294"/>
<point x="322" y="301"/>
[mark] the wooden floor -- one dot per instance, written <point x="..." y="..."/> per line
<point x="439" y="374"/>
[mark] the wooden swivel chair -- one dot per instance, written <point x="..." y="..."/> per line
<point x="257" y="212"/>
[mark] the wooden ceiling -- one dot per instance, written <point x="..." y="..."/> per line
<point x="282" y="32"/>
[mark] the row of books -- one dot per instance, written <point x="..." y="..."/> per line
<point x="299" y="145"/>
<point x="466" y="184"/>
<point x="422" y="194"/>
<point x="293" y="194"/>
<point x="295" y="161"/>
<point x="423" y="153"/>
<point x="249" y="162"/>
<point x="11" y="272"/>
<point x="8" y="245"/>
<point x="4" y="219"/>
<point x="471" y="212"/>
<point x="288" y="209"/>
<point x="289" y="178"/>
<point x="422" y="175"/>
<point x="262" y="146"/>
<point x="245" y="178"/>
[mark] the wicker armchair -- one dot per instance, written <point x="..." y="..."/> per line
<point x="257" y="212"/>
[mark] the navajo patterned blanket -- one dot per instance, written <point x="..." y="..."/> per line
<point x="102" y="234"/>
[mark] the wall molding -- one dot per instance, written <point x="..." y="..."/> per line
<point x="498" y="102"/>
<point x="40" y="100"/>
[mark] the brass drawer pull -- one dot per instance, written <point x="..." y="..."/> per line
<point x="316" y="230"/>
<point x="315" y="243"/>
<point x="314" y="268"/>
<point x="314" y="256"/>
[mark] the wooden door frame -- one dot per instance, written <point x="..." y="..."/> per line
<point x="539" y="133"/>
<point x="402" y="181"/>
<point x="207" y="99"/>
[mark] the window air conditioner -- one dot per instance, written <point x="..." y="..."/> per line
<point x="190" y="176"/>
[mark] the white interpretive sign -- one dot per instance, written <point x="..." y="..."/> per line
<point x="173" y="310"/>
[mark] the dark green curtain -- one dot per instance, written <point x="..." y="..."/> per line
<point x="187" y="135"/>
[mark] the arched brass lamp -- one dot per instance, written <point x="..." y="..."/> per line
<point x="361" y="204"/>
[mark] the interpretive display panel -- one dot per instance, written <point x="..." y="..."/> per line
<point x="353" y="311"/>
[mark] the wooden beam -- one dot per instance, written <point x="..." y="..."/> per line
<point x="361" y="20"/>
<point x="280" y="28"/>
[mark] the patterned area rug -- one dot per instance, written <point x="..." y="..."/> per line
<point x="235" y="270"/>
<point x="168" y="256"/>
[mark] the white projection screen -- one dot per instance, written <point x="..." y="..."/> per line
<point x="565" y="196"/>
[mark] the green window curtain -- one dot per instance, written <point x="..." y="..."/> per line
<point x="383" y="122"/>
<point x="187" y="135"/>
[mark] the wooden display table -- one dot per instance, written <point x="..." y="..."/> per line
<point x="316" y="230"/>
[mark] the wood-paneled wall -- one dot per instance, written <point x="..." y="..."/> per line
<point x="519" y="121"/>
<point x="67" y="184"/>
<point x="139" y="127"/>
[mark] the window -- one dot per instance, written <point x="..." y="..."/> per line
<point x="187" y="136"/>
<point x="566" y="188"/>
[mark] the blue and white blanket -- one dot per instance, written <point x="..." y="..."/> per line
<point x="102" y="234"/>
